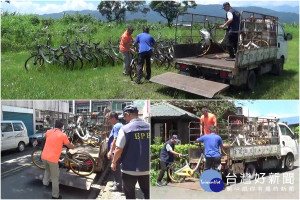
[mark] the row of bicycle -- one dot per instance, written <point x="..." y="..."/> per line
<point x="76" y="54"/>
<point x="73" y="55"/>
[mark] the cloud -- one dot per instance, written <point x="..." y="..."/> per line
<point x="281" y="115"/>
<point x="32" y="7"/>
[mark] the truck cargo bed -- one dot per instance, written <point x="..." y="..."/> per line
<point x="216" y="61"/>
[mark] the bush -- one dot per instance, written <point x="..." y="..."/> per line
<point x="155" y="151"/>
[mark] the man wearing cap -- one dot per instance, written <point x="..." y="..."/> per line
<point x="206" y="121"/>
<point x="212" y="143"/>
<point x="113" y="119"/>
<point x="166" y="158"/>
<point x="132" y="148"/>
<point x="233" y="23"/>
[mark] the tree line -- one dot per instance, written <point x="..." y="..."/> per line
<point x="116" y="10"/>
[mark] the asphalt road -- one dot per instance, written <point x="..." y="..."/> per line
<point x="276" y="186"/>
<point x="17" y="183"/>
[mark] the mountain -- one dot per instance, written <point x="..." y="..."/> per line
<point x="285" y="8"/>
<point x="290" y="120"/>
<point x="214" y="10"/>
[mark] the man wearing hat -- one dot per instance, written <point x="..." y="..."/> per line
<point x="233" y="23"/>
<point x="166" y="158"/>
<point x="132" y="149"/>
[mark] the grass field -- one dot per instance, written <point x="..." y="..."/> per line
<point x="53" y="82"/>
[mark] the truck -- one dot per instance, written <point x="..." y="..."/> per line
<point x="199" y="53"/>
<point x="257" y="144"/>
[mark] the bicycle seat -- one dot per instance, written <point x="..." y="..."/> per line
<point x="96" y="43"/>
<point x="55" y="50"/>
<point x="63" y="47"/>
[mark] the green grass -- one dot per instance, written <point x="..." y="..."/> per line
<point x="53" y="82"/>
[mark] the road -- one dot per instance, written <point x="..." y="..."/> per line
<point x="17" y="183"/>
<point x="270" y="187"/>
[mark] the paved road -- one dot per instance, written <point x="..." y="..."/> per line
<point x="17" y="183"/>
<point x="270" y="189"/>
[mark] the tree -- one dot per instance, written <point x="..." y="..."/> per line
<point x="116" y="10"/>
<point x="217" y="107"/>
<point x="169" y="9"/>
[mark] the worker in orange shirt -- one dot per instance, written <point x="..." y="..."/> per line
<point x="55" y="139"/>
<point x="206" y="121"/>
<point x="125" y="43"/>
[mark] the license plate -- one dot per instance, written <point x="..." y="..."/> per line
<point x="35" y="143"/>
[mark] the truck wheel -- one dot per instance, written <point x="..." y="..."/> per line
<point x="250" y="171"/>
<point x="21" y="146"/>
<point x="278" y="67"/>
<point x="251" y="80"/>
<point x="289" y="162"/>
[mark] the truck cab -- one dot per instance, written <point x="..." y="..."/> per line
<point x="289" y="147"/>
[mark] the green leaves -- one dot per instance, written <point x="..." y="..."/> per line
<point x="116" y="10"/>
<point x="169" y="9"/>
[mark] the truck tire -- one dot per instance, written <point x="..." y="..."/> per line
<point x="289" y="162"/>
<point x="251" y="80"/>
<point x="278" y="67"/>
<point x="21" y="146"/>
<point x="250" y="171"/>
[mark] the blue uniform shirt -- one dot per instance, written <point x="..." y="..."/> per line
<point x="113" y="134"/>
<point x="145" y="41"/>
<point x="212" y="142"/>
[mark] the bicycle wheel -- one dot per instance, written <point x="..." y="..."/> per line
<point x="133" y="69"/>
<point x="36" y="157"/>
<point x="202" y="48"/>
<point x="261" y="43"/>
<point x="82" y="164"/>
<point x="171" y="172"/>
<point x="106" y="59"/>
<point x="78" y="63"/>
<point x="34" y="62"/>
<point x="66" y="60"/>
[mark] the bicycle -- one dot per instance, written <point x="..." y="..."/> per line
<point x="82" y="164"/>
<point x="178" y="171"/>
<point x="134" y="65"/>
<point x="38" y="58"/>
<point x="207" y="38"/>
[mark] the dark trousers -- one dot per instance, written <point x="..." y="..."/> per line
<point x="163" y="169"/>
<point x="232" y="43"/>
<point x="129" y="183"/>
<point x="142" y="57"/>
<point x="212" y="163"/>
<point x="117" y="176"/>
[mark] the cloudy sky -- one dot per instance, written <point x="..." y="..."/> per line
<point x="45" y="7"/>
<point x="272" y="108"/>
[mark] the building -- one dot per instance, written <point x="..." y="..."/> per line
<point x="167" y="120"/>
<point x="35" y="114"/>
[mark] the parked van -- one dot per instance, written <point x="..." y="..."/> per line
<point x="13" y="135"/>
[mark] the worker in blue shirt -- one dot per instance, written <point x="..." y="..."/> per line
<point x="212" y="143"/>
<point x="132" y="148"/>
<point x="113" y="119"/>
<point x="146" y="43"/>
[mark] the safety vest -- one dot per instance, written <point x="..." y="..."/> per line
<point x="167" y="156"/>
<point x="235" y="24"/>
<point x="135" y="155"/>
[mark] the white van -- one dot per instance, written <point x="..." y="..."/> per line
<point x="13" y="135"/>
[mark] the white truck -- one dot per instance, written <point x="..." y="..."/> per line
<point x="199" y="53"/>
<point x="258" y="144"/>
